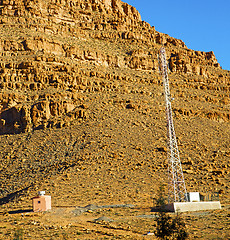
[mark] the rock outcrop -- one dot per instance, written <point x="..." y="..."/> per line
<point x="52" y="50"/>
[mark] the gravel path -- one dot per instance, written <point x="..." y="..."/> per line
<point x="92" y="207"/>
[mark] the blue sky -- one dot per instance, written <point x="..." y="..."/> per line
<point x="203" y="25"/>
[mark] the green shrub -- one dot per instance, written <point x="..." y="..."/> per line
<point x="168" y="227"/>
<point x="18" y="234"/>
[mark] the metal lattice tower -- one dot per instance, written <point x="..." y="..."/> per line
<point x="176" y="186"/>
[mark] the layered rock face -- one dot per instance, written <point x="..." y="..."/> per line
<point x="53" y="51"/>
<point x="81" y="96"/>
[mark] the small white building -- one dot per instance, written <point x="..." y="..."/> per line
<point x="194" y="197"/>
<point x="42" y="202"/>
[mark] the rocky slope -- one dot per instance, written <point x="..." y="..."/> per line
<point x="82" y="105"/>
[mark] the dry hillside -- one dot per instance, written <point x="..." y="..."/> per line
<point x="82" y="116"/>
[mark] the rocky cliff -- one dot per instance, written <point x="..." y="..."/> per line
<point x="53" y="51"/>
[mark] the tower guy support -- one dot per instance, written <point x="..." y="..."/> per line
<point x="176" y="186"/>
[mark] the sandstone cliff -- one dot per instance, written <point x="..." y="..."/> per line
<point x="50" y="50"/>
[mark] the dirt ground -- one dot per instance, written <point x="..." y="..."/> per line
<point x="108" y="223"/>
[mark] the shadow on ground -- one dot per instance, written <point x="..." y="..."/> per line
<point x="21" y="211"/>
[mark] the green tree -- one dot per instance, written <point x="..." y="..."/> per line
<point x="168" y="227"/>
<point x="179" y="227"/>
<point x="163" y="228"/>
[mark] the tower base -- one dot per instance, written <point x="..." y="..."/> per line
<point x="192" y="206"/>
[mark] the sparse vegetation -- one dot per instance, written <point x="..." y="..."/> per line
<point x="168" y="227"/>
<point x="18" y="234"/>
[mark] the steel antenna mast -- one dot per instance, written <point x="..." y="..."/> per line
<point x="176" y="186"/>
